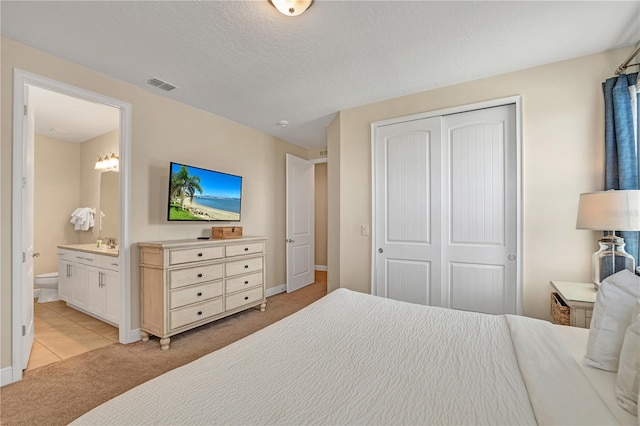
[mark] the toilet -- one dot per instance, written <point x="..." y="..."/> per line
<point x="48" y="285"/>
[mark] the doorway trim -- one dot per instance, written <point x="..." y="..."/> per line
<point x="21" y="79"/>
<point x="511" y="100"/>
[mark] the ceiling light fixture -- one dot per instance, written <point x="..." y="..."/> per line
<point x="283" y="123"/>
<point x="291" y="7"/>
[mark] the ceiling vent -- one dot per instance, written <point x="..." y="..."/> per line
<point x="160" y="84"/>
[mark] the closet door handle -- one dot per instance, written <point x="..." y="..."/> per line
<point x="199" y="275"/>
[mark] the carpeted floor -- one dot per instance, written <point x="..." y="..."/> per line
<point x="57" y="394"/>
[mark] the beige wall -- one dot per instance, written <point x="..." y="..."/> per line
<point x="333" y="202"/>
<point x="563" y="128"/>
<point x="321" y="214"/>
<point x="56" y="193"/>
<point x="162" y="130"/>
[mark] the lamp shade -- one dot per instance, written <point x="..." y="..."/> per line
<point x="609" y="211"/>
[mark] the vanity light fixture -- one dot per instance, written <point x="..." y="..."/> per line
<point x="110" y="162"/>
<point x="291" y="7"/>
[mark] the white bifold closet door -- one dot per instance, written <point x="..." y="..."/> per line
<point x="446" y="211"/>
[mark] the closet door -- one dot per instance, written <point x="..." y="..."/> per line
<point x="445" y="211"/>
<point x="480" y="210"/>
<point x="407" y="182"/>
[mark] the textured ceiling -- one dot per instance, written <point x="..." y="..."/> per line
<point x="244" y="61"/>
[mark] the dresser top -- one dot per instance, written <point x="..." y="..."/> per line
<point x="195" y="242"/>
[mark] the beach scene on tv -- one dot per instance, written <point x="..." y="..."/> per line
<point x="199" y="194"/>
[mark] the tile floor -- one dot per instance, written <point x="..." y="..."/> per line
<point x="62" y="332"/>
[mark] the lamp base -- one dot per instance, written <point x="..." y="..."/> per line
<point x="611" y="258"/>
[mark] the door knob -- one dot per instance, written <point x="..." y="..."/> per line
<point x="289" y="240"/>
<point x="380" y="250"/>
<point x="36" y="254"/>
<point x="511" y="257"/>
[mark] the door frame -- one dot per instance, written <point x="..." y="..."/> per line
<point x="515" y="100"/>
<point x="21" y="79"/>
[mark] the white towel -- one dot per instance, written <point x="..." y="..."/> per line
<point x="82" y="218"/>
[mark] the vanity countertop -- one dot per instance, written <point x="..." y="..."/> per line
<point x="91" y="248"/>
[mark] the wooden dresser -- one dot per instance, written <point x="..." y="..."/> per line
<point x="188" y="283"/>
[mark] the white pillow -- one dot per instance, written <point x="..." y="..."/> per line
<point x="628" y="381"/>
<point x="613" y="312"/>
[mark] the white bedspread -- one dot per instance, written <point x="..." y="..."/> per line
<point x="352" y="358"/>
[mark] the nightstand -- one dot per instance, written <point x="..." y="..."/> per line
<point x="580" y="298"/>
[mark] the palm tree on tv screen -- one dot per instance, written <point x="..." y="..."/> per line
<point x="183" y="184"/>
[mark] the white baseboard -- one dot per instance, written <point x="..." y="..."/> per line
<point x="321" y="268"/>
<point x="275" y="290"/>
<point x="6" y="376"/>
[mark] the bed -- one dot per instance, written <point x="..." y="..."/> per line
<point x="352" y="358"/>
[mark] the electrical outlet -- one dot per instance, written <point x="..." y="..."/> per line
<point x="364" y="230"/>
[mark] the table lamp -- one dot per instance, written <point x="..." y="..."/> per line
<point x="614" y="210"/>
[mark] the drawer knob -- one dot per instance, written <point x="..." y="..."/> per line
<point x="199" y="275"/>
<point x="246" y="266"/>
<point x="199" y="293"/>
<point x="199" y="312"/>
<point x="199" y="254"/>
<point x="246" y="249"/>
<point x="246" y="282"/>
<point x="246" y="298"/>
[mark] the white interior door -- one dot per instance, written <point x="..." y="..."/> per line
<point x="300" y="223"/>
<point x="480" y="190"/>
<point x="27" y="236"/>
<point x="446" y="211"/>
<point x="407" y="214"/>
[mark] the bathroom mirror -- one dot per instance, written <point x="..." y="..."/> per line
<point x="110" y="204"/>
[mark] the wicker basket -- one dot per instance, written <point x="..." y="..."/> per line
<point x="560" y="312"/>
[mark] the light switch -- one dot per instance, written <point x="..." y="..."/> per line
<point x="364" y="230"/>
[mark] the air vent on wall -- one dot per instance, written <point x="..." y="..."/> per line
<point x="156" y="82"/>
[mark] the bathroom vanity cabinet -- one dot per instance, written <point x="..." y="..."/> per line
<point x="90" y="282"/>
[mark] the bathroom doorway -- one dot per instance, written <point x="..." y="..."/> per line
<point x="23" y="168"/>
<point x="71" y="134"/>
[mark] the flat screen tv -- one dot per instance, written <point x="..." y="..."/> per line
<point x="197" y="194"/>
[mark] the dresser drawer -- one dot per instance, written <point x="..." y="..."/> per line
<point x="244" y="298"/>
<point x="242" y="283"/>
<point x="244" y="266"/>
<point x="189" y="314"/>
<point x="194" y="275"/>
<point x="194" y="294"/>
<point x="240" y="249"/>
<point x="177" y="257"/>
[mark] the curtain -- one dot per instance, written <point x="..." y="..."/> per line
<point x="621" y="141"/>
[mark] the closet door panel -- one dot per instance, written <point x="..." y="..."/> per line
<point x="480" y="243"/>
<point x="408" y="211"/>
